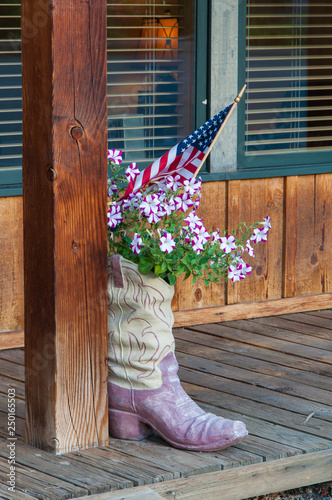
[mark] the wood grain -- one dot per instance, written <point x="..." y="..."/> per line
<point x="252" y="310"/>
<point x="243" y="482"/>
<point x="64" y="179"/>
<point x="251" y="201"/>
<point x="308" y="212"/>
<point x="11" y="340"/>
<point x="212" y="211"/>
<point x="11" y="264"/>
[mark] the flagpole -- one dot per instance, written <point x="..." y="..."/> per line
<point x="236" y="100"/>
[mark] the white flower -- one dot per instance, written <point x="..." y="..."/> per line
<point x="114" y="216"/>
<point x="216" y="236"/>
<point x="192" y="186"/>
<point x="250" y="249"/>
<point x="193" y="220"/>
<point x="233" y="273"/>
<point x="167" y="243"/>
<point x="153" y="218"/>
<point x="115" y="156"/>
<point x="129" y="203"/>
<point x="183" y="202"/>
<point x="197" y="245"/>
<point x="150" y="204"/>
<point x="168" y="206"/>
<point x="259" y="235"/>
<point x="227" y="244"/>
<point x="112" y="187"/>
<point x="132" y="172"/>
<point x="136" y="243"/>
<point x="173" y="183"/>
<point x="202" y="234"/>
<point x="266" y="223"/>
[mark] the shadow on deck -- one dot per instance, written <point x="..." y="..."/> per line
<point x="273" y="373"/>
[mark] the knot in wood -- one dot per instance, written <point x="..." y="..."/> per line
<point x="76" y="133"/>
<point x="259" y="270"/>
<point x="51" y="174"/>
<point x="54" y="443"/>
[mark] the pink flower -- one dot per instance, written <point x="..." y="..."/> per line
<point x="114" y="216"/>
<point x="216" y="236"/>
<point x="259" y="235"/>
<point x="167" y="243"/>
<point x="202" y="234"/>
<point x="136" y="243"/>
<point x="193" y="220"/>
<point x="115" y="156"/>
<point x="250" y="249"/>
<point x="153" y="218"/>
<point x="132" y="172"/>
<point x="227" y="244"/>
<point x="112" y="187"/>
<point x="266" y="223"/>
<point x="197" y="245"/>
<point x="150" y="204"/>
<point x="173" y="183"/>
<point x="192" y="187"/>
<point x="183" y="202"/>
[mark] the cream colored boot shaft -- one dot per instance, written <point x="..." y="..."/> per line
<point x="140" y="324"/>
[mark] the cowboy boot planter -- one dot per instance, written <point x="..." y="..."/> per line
<point x="144" y="389"/>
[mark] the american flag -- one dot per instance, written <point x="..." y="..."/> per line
<point x="184" y="158"/>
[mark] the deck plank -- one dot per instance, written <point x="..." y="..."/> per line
<point x="256" y="379"/>
<point x="275" y="375"/>
<point x="266" y="340"/>
<point x="198" y="347"/>
<point x="243" y="482"/>
<point x="254" y="352"/>
<point x="309" y="334"/>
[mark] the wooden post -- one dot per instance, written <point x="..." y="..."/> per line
<point x="65" y="235"/>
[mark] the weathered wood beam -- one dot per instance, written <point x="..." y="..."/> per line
<point x="248" y="310"/>
<point x="234" y="484"/>
<point x="65" y="240"/>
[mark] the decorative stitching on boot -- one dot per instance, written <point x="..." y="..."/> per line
<point x="117" y="271"/>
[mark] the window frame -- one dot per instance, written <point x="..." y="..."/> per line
<point x="11" y="178"/>
<point x="297" y="163"/>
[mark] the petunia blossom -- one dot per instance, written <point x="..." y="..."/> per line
<point x="227" y="244"/>
<point x="132" y="172"/>
<point x="266" y="223"/>
<point x="167" y="243"/>
<point x="193" y="220"/>
<point x="136" y="243"/>
<point x="192" y="186"/>
<point x="114" y="216"/>
<point x="259" y="235"/>
<point x="115" y="156"/>
<point x="183" y="202"/>
<point x="173" y="183"/>
<point x="111" y="187"/>
<point x="250" y="249"/>
<point x="202" y="234"/>
<point x="150" y="204"/>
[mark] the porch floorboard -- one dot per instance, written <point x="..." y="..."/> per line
<point x="273" y="373"/>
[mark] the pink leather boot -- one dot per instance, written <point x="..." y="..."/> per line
<point x="144" y="389"/>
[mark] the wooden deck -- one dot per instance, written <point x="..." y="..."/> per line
<point x="273" y="373"/>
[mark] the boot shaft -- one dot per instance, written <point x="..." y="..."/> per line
<point x="140" y="323"/>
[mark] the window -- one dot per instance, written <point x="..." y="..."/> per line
<point x="150" y="76"/>
<point x="10" y="98"/>
<point x="153" y="99"/>
<point x="288" y="106"/>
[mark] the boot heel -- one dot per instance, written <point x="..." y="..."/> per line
<point x="123" y="425"/>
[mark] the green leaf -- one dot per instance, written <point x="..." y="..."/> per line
<point x="172" y="279"/>
<point x="145" y="265"/>
<point x="158" y="270"/>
